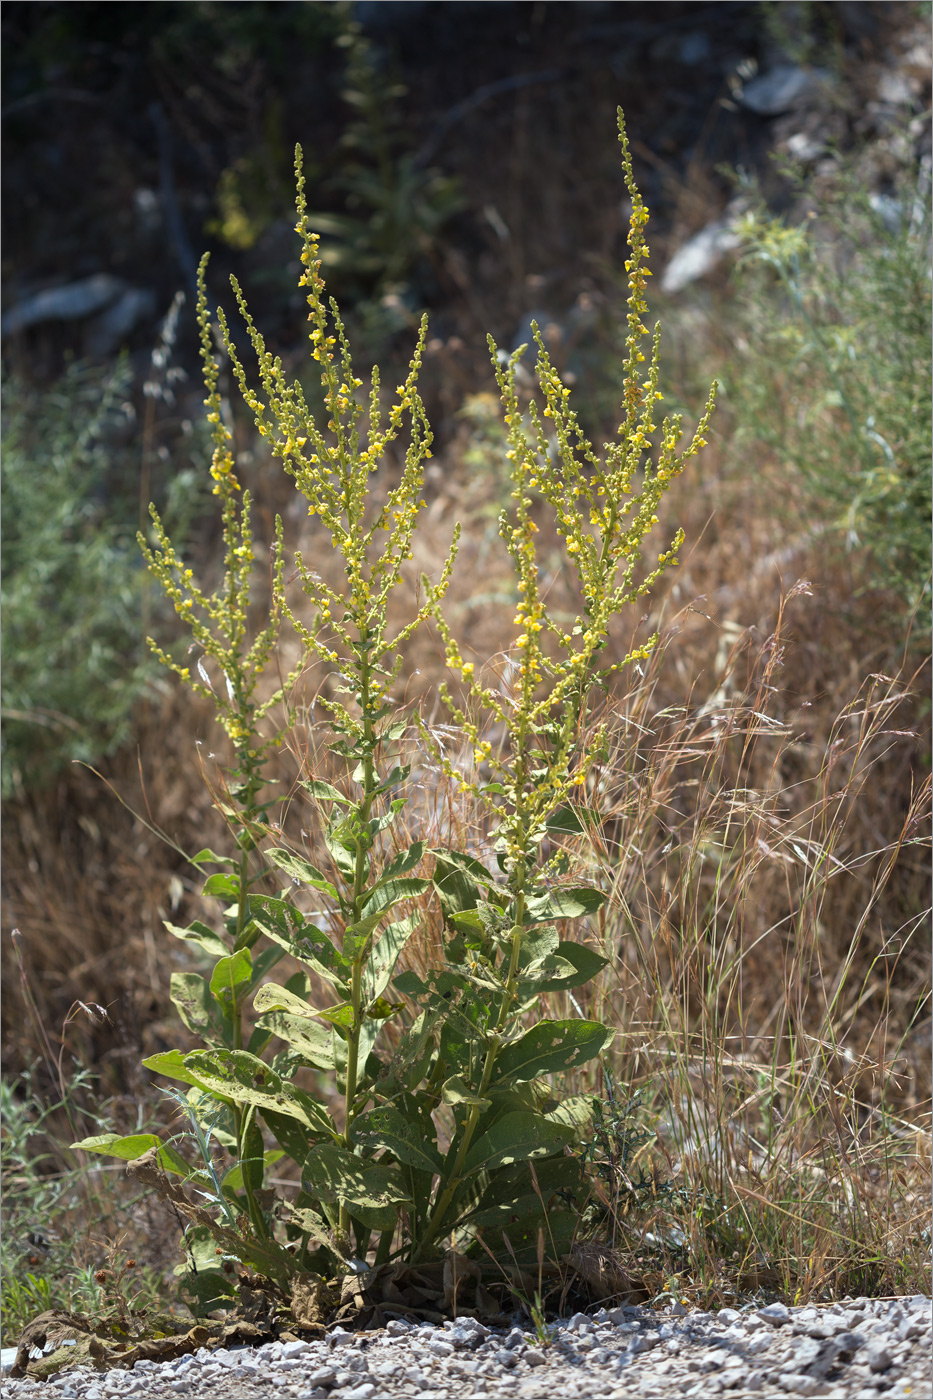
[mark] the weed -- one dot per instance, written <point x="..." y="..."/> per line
<point x="436" y="1126"/>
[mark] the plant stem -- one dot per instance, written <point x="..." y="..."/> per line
<point x="359" y="890"/>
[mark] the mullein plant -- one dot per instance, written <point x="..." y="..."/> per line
<point x="378" y="1182"/>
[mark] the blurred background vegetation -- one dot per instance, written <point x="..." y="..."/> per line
<point x="461" y="159"/>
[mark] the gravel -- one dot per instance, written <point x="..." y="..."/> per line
<point x="857" y="1348"/>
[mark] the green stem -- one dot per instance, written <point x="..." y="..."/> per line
<point x="359" y="891"/>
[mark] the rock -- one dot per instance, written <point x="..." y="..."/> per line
<point x="775" y="1313"/>
<point x="878" y="1356"/>
<point x="782" y="88"/>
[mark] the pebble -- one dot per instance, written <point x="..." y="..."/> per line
<point x="858" y="1349"/>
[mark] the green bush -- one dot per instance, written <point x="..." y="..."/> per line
<point x="75" y="661"/>
<point x="833" y="370"/>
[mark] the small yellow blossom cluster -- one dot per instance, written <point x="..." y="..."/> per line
<point x="602" y="506"/>
<point x="331" y="463"/>
<point x="218" y="622"/>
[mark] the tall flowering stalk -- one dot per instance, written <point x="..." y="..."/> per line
<point x="602" y="507"/>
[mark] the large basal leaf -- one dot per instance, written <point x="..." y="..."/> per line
<point x="231" y="979"/>
<point x="314" y="1042"/>
<point x="565" y="903"/>
<point x="507" y="1186"/>
<point x="301" y="871"/>
<point x="247" y="1080"/>
<point x="333" y="1174"/>
<point x="388" y="1128"/>
<point x="551" y="1047"/>
<point x="379" y="1218"/>
<point x="516" y="1137"/>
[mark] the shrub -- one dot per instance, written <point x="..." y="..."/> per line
<point x="74" y="660"/>
<point x="833" y="374"/>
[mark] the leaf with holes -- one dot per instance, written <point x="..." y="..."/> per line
<point x="551" y="1047"/>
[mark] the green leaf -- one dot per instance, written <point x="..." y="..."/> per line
<point x="171" y="1064"/>
<point x="263" y="963"/>
<point x="392" y="779"/>
<point x="388" y="1128"/>
<point x="538" y="945"/>
<point x="207" y="856"/>
<point x="333" y="1174"/>
<point x="304" y="941"/>
<point x="247" y="1080"/>
<point x="128" y="1149"/>
<point x="410" y="984"/>
<point x="252" y="1161"/>
<point x="516" y="1137"/>
<point x="343" y="840"/>
<point x="199" y="933"/>
<point x="412" y="1056"/>
<point x="565" y="903"/>
<point x="402" y="863"/>
<point x="459" y="881"/>
<point x="550" y="1048"/>
<point x="231" y="979"/>
<point x="511" y="1190"/>
<point x="577" y="1111"/>
<point x="198" y="1009"/>
<point x="389" y="893"/>
<point x="339" y="1015"/>
<point x="356" y="937"/>
<point x="395" y="730"/>
<point x="383" y="823"/>
<point x="455" y="1090"/>
<point x="325" y="792"/>
<point x="301" y="871"/>
<point x="386" y="954"/>
<point x="223" y="886"/>
<point x="314" y="1042"/>
<point x="584" y="962"/>
<point x="272" y="997"/>
<point x="379" y="1218"/>
<point x="381" y="1009"/>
